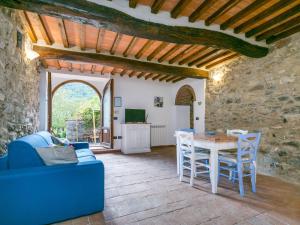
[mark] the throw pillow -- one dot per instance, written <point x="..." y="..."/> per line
<point x="59" y="141"/>
<point x="57" y="155"/>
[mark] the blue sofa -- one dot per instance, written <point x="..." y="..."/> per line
<point x="32" y="193"/>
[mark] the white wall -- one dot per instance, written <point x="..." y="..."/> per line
<point x="43" y="88"/>
<point x="139" y="93"/>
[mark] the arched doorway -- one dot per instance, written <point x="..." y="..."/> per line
<point x="76" y="111"/>
<point x="186" y="97"/>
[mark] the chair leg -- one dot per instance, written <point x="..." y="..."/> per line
<point x="180" y="167"/>
<point x="240" y="176"/>
<point x="192" y="172"/>
<point x="230" y="173"/>
<point x="219" y="170"/>
<point x="233" y="176"/>
<point x="253" y="178"/>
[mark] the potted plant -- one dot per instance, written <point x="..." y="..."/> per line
<point x="3" y="157"/>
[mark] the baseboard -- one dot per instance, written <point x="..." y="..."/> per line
<point x="103" y="151"/>
<point x="163" y="146"/>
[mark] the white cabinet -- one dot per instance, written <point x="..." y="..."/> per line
<point x="135" y="138"/>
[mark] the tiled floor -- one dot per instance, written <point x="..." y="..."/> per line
<point x="144" y="190"/>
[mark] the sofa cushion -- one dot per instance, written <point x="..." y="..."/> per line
<point x="56" y="155"/>
<point x="85" y="155"/>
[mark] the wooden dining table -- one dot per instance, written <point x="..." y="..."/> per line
<point x="214" y="143"/>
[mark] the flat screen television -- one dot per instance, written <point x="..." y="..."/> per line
<point x="135" y="115"/>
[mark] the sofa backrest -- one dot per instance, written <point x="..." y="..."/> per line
<point x="22" y="153"/>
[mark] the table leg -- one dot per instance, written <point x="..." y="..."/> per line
<point x="214" y="170"/>
<point x="177" y="156"/>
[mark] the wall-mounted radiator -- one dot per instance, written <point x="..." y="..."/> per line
<point x="159" y="135"/>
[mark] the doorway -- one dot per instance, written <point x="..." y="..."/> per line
<point x="76" y="112"/>
<point x="184" y="102"/>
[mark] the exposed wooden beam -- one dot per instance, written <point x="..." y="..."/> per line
<point x="115" y="43"/>
<point x="222" y="61"/>
<point x="88" y="12"/>
<point x="113" y="72"/>
<point x="63" y="32"/>
<point x="156" y="77"/>
<point x="132" y="73"/>
<point x="157" y="50"/>
<point x="93" y="68"/>
<point x="171" y="78"/>
<point x="58" y="64"/>
<point x="282" y="35"/>
<point x="141" y="75"/>
<point x="102" y="71"/>
<point x="123" y="72"/>
<point x="264" y="14"/>
<point x="81" y="68"/>
<point x="149" y="76"/>
<point x="179" y="7"/>
<point x="42" y="28"/>
<point x="278" y="19"/>
<point x="28" y="26"/>
<point x="178" y="79"/>
<point x="143" y="49"/>
<point x="221" y="11"/>
<point x="129" y="47"/>
<point x="181" y="54"/>
<point x="200" y="58"/>
<point x="116" y="61"/>
<point x="133" y="3"/>
<point x="279" y="29"/>
<point x="244" y="12"/>
<point x="163" y="77"/>
<point x="204" y="6"/>
<point x="82" y="37"/>
<point x="225" y="53"/>
<point x="192" y="56"/>
<point x="70" y="67"/>
<point x="170" y="52"/>
<point x="157" y="4"/>
<point x="100" y="37"/>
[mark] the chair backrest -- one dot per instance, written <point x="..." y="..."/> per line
<point x="248" y="146"/>
<point x="190" y="130"/>
<point x="186" y="141"/>
<point x="236" y="132"/>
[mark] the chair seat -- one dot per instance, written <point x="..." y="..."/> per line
<point x="228" y="152"/>
<point x="198" y="156"/>
<point x="231" y="158"/>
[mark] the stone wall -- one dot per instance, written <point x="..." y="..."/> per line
<point x="264" y="95"/>
<point x="19" y="82"/>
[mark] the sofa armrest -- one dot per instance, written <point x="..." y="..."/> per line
<point x="44" y="195"/>
<point x="80" y="145"/>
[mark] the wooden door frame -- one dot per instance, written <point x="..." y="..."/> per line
<point x="111" y="84"/>
<point x="49" y="101"/>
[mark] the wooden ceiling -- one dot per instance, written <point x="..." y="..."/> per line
<point x="262" y="20"/>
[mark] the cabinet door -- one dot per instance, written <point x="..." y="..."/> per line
<point x="144" y="137"/>
<point x="132" y="137"/>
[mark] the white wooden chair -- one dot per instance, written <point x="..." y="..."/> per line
<point x="190" y="159"/>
